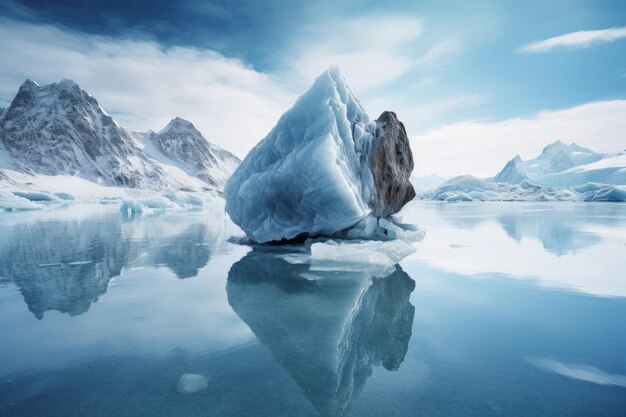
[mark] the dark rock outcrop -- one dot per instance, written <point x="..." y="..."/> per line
<point x="391" y="164"/>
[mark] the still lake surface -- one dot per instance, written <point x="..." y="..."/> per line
<point x="505" y="309"/>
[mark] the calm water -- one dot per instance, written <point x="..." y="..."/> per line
<point x="504" y="309"/>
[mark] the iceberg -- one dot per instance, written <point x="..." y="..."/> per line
<point x="192" y="383"/>
<point x="322" y="169"/>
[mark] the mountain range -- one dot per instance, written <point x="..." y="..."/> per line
<point x="560" y="172"/>
<point x="61" y="130"/>
<point x="57" y="143"/>
<point x="561" y="165"/>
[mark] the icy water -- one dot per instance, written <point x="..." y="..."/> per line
<point x="504" y="310"/>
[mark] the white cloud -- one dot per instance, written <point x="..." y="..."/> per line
<point x="585" y="373"/>
<point x="370" y="50"/>
<point x="417" y="115"/>
<point x="573" y="40"/>
<point x="482" y="148"/>
<point x="144" y="85"/>
<point x="439" y="52"/>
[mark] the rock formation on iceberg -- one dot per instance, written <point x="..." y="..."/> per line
<point x="391" y="165"/>
<point x="323" y="168"/>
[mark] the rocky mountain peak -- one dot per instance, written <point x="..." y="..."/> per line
<point x="179" y="124"/>
<point x="59" y="129"/>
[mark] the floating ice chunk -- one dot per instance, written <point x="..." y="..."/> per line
<point x="65" y="196"/>
<point x="145" y="206"/>
<point x="10" y="201"/>
<point x="181" y="200"/>
<point x="34" y="195"/>
<point x="79" y="263"/>
<point x="377" y="258"/>
<point x="606" y="193"/>
<point x="192" y="383"/>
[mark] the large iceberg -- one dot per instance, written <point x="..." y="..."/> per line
<point x="322" y="169"/>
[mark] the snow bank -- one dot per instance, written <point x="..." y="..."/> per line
<point x="180" y="200"/>
<point x="10" y="201"/>
<point x="31" y="192"/>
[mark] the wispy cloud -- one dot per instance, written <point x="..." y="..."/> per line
<point x="143" y="85"/>
<point x="574" y="40"/>
<point x="370" y="50"/>
<point x="580" y="372"/>
<point x="481" y="148"/>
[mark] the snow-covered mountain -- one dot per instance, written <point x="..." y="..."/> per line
<point x="561" y="172"/>
<point x="59" y="129"/>
<point x="182" y="145"/>
<point x="561" y="165"/>
<point x="428" y="182"/>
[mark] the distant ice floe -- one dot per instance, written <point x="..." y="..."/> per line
<point x="180" y="200"/>
<point x="131" y="202"/>
<point x="580" y="372"/>
<point x="561" y="173"/>
<point x="192" y="383"/>
<point x="469" y="188"/>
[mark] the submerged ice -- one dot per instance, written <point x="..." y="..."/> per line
<point x="323" y="168"/>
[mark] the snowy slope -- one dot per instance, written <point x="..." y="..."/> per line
<point x="428" y="182"/>
<point x="561" y="165"/>
<point x="182" y="145"/>
<point x="561" y="173"/>
<point x="60" y="130"/>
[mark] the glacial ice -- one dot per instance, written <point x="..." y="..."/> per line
<point x="312" y="174"/>
<point x="561" y="173"/>
<point x="10" y="201"/>
<point x="192" y="383"/>
<point x="468" y="188"/>
<point x="180" y="200"/>
<point x="380" y="258"/>
<point x="304" y="177"/>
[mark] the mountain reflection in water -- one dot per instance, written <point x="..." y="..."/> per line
<point x="67" y="264"/>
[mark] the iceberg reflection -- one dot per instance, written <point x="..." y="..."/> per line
<point x="327" y="329"/>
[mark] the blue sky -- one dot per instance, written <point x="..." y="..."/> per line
<point x="465" y="77"/>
